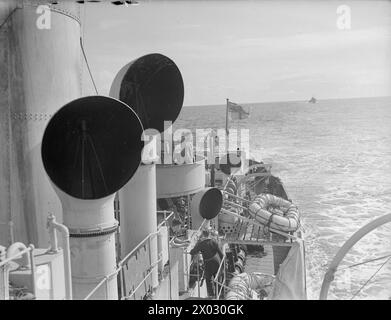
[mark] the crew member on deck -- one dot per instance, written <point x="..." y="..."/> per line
<point x="212" y="256"/>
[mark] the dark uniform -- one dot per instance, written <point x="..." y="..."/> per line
<point x="212" y="256"/>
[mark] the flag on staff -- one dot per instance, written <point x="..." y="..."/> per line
<point x="236" y="111"/>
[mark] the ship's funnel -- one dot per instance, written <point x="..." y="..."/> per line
<point x="206" y="204"/>
<point x="153" y="86"/>
<point x="90" y="149"/>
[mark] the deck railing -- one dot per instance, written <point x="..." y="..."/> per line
<point x="28" y="252"/>
<point x="220" y="278"/>
<point x="147" y="274"/>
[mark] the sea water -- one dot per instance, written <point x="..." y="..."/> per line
<point x="334" y="157"/>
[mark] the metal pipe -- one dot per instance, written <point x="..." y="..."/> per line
<point x="198" y="278"/>
<point x="52" y="235"/>
<point x="235" y="204"/>
<point x="235" y="196"/>
<point x="169" y="264"/>
<point x="33" y="270"/>
<point x="217" y="275"/>
<point x="52" y="224"/>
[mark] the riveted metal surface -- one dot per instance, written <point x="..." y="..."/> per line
<point x="38" y="77"/>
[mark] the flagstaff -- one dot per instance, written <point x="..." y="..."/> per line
<point x="226" y="117"/>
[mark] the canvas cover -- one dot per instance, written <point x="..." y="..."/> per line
<point x="290" y="281"/>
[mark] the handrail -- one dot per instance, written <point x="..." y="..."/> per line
<point x="235" y="196"/>
<point x="143" y="280"/>
<point x="127" y="257"/>
<point x="195" y="233"/>
<point x="53" y="226"/>
<point x="221" y="264"/>
<point x="166" y="218"/>
<point x="120" y="265"/>
<point x="29" y="251"/>
<point x="105" y="279"/>
<point x="17" y="255"/>
<point x="215" y="279"/>
<point x="235" y="205"/>
<point x="122" y="262"/>
<point x="357" y="236"/>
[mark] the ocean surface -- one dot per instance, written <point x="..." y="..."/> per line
<point x="334" y="158"/>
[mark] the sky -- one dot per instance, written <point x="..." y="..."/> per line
<point x="248" y="51"/>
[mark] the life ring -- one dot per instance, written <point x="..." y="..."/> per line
<point x="230" y="189"/>
<point x="242" y="255"/>
<point x="242" y="285"/>
<point x="275" y="212"/>
<point x="239" y="265"/>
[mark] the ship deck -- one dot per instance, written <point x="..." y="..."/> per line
<point x="275" y="246"/>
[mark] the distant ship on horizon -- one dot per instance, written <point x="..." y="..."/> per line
<point x="312" y="100"/>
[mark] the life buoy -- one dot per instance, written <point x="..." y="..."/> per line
<point x="242" y="285"/>
<point x="230" y="189"/>
<point x="275" y="212"/>
<point x="239" y="265"/>
<point x="242" y="255"/>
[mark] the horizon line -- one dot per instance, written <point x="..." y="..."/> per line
<point x="276" y="101"/>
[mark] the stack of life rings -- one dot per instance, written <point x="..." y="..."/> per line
<point x="275" y="213"/>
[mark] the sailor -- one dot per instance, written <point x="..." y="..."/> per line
<point x="212" y="256"/>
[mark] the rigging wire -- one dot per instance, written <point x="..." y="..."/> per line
<point x="88" y="66"/>
<point x="8" y="17"/>
<point x="363" y="286"/>
<point x="364" y="262"/>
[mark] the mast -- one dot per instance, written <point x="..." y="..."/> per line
<point x="226" y="126"/>
<point x="226" y="118"/>
<point x="212" y="166"/>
